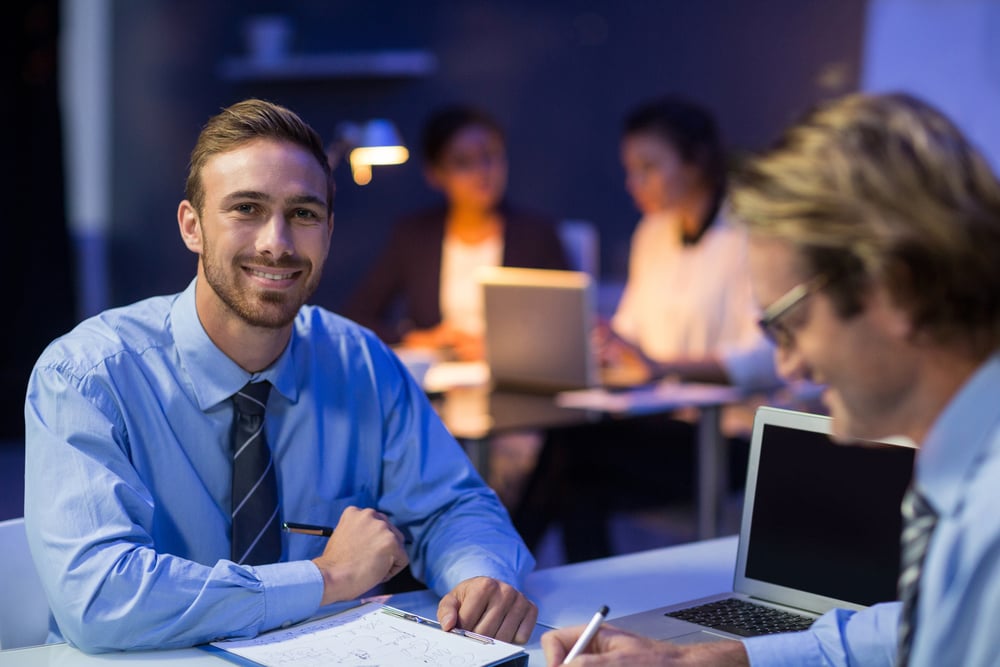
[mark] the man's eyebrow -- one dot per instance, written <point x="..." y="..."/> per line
<point x="256" y="195"/>
<point x="307" y="199"/>
<point x="247" y="194"/>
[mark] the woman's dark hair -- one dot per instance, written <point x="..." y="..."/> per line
<point x="443" y="124"/>
<point x="688" y="127"/>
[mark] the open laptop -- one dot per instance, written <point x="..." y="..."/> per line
<point x="538" y="330"/>
<point x="820" y="529"/>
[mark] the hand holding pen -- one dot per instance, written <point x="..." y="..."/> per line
<point x="604" y="645"/>
<point x="364" y="550"/>
<point x="482" y="606"/>
<point x="587" y="635"/>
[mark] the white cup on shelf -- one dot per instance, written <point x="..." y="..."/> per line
<point x="268" y="38"/>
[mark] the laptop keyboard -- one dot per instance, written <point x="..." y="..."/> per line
<point x="743" y="618"/>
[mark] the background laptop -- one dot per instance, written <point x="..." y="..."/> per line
<point x="820" y="529"/>
<point x="538" y="329"/>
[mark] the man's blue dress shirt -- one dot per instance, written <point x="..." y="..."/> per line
<point x="958" y="614"/>
<point x="128" y="475"/>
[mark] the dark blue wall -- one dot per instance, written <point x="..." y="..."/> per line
<point x="559" y="74"/>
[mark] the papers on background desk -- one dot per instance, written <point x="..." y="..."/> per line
<point x="371" y="634"/>
<point x="446" y="375"/>
<point x="435" y="375"/>
<point x="663" y="396"/>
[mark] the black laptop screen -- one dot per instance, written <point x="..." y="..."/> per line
<point x="826" y="516"/>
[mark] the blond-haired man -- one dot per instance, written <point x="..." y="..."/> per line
<point x="875" y="251"/>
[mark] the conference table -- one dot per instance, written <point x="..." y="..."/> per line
<point x="473" y="411"/>
<point x="565" y="595"/>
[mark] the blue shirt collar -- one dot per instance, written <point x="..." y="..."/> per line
<point x="214" y="376"/>
<point x="959" y="439"/>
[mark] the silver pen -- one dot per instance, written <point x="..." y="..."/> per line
<point x="399" y="613"/>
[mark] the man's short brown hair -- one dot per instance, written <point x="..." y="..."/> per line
<point x="243" y="122"/>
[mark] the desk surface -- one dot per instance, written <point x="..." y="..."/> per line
<point x="478" y="412"/>
<point x="470" y="408"/>
<point x="565" y="595"/>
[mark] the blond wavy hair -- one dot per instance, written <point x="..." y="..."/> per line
<point x="884" y="189"/>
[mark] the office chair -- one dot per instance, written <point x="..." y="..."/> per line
<point x="24" y="610"/>
<point x="581" y="240"/>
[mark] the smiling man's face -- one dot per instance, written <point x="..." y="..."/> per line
<point x="264" y="233"/>
<point x="866" y="362"/>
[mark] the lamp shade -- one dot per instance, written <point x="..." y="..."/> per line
<point x="375" y="142"/>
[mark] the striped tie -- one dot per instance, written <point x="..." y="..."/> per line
<point x="256" y="538"/>
<point x="918" y="524"/>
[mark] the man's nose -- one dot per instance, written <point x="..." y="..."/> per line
<point x="275" y="238"/>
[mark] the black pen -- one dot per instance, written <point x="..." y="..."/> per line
<point x="588" y="634"/>
<point x="318" y="531"/>
<point x="307" y="529"/>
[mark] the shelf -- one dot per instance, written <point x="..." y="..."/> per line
<point x="369" y="64"/>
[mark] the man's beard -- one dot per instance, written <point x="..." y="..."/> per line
<point x="259" y="308"/>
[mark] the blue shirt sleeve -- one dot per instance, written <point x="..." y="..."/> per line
<point x="459" y="528"/>
<point x="89" y="520"/>
<point x="838" y="638"/>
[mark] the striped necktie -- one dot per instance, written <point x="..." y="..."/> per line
<point x="918" y="524"/>
<point x="256" y="537"/>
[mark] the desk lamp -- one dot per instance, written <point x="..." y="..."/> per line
<point x="375" y="142"/>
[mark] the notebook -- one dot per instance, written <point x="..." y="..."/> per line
<point x="370" y="634"/>
<point x="820" y="529"/>
<point x="538" y="330"/>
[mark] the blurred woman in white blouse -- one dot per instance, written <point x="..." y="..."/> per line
<point x="687" y="309"/>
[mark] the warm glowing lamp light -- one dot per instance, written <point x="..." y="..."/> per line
<point x="376" y="142"/>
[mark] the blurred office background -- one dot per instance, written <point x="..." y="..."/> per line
<point x="104" y="99"/>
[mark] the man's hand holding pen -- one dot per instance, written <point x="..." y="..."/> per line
<point x="364" y="550"/>
<point x="479" y="604"/>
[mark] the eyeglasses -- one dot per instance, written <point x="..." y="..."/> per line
<point x="770" y="322"/>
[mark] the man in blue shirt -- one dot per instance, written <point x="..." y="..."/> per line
<point x="129" y="472"/>
<point x="875" y="247"/>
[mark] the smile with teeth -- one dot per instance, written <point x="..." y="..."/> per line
<point x="272" y="276"/>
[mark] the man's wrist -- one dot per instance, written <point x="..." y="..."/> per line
<point x="330" y="583"/>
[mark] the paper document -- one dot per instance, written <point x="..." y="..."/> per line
<point x="447" y="375"/>
<point x="663" y="396"/>
<point x="367" y="636"/>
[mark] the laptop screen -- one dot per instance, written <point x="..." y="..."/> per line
<point x="826" y="516"/>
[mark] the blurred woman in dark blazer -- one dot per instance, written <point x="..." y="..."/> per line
<point x="422" y="292"/>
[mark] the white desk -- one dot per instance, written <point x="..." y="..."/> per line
<point x="565" y="595"/>
<point x="570" y="594"/>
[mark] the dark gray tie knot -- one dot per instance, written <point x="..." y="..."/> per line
<point x="252" y="398"/>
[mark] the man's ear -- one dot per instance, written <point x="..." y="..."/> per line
<point x="187" y="220"/>
<point x="894" y="319"/>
